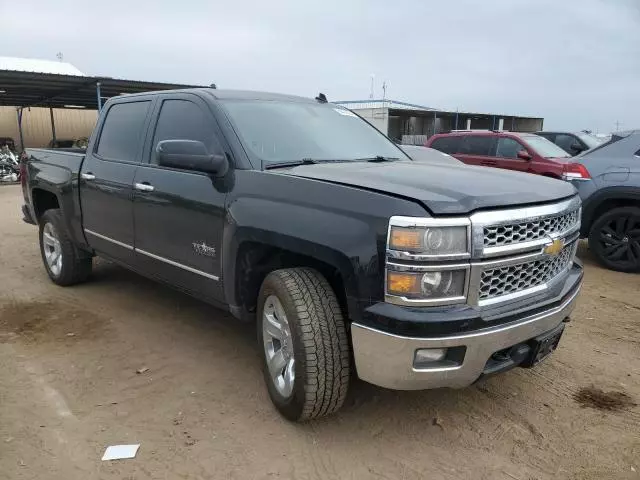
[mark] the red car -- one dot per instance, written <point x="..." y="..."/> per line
<point x="525" y="152"/>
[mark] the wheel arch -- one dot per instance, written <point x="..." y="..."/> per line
<point x="606" y="199"/>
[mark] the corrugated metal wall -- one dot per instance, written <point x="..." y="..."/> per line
<point x="36" y="124"/>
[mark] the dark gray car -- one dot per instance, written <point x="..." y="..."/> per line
<point x="608" y="180"/>
<point x="572" y="143"/>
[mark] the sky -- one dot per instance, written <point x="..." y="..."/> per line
<point x="574" y="62"/>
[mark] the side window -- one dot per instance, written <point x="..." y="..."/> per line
<point x="477" y="145"/>
<point x="565" y="141"/>
<point x="508" y="148"/>
<point x="122" y="131"/>
<point x="184" y="120"/>
<point x="446" y="144"/>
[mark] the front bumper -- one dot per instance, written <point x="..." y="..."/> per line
<point x="387" y="360"/>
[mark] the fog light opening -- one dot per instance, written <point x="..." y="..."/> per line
<point x="426" y="357"/>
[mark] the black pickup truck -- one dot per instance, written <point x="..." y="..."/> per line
<point x="296" y="213"/>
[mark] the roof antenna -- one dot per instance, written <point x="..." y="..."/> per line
<point x="321" y="98"/>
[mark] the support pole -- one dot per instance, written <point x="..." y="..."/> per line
<point x="456" y="127"/>
<point x="493" y="123"/>
<point x="53" y="127"/>
<point x="434" y="122"/>
<point x="19" y="113"/>
<point x="99" y="97"/>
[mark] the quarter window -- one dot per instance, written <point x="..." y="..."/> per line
<point x="122" y="131"/>
<point x="446" y="144"/>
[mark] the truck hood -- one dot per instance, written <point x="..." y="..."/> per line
<point x="442" y="189"/>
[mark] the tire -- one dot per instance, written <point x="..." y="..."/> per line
<point x="317" y="343"/>
<point x="615" y="239"/>
<point x="70" y="266"/>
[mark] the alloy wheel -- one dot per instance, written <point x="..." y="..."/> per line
<point x="278" y="346"/>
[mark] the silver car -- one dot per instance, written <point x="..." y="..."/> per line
<point x="608" y="180"/>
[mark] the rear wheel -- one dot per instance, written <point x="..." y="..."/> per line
<point x="304" y="340"/>
<point x="615" y="239"/>
<point x="62" y="260"/>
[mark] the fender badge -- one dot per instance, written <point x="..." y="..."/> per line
<point x="202" y="248"/>
<point x="554" y="248"/>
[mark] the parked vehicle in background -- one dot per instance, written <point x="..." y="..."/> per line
<point x="69" y="143"/>
<point x="299" y="214"/>
<point x="523" y="152"/>
<point x="429" y="155"/>
<point x="608" y="181"/>
<point x="572" y="143"/>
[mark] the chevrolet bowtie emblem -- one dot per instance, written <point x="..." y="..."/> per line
<point x="555" y="247"/>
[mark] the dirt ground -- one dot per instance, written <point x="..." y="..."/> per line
<point x="69" y="388"/>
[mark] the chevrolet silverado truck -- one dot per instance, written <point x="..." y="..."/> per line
<point x="298" y="214"/>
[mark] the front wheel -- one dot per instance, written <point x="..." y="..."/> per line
<point x="304" y="341"/>
<point x="615" y="239"/>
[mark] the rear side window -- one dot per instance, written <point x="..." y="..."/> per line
<point x="477" y="145"/>
<point x="184" y="120"/>
<point x="508" y="148"/>
<point x="122" y="131"/>
<point x="446" y="144"/>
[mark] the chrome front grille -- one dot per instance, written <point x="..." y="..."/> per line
<point x="507" y="234"/>
<point x="495" y="282"/>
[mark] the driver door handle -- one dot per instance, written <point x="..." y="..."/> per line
<point x="88" y="176"/>
<point x="144" y="187"/>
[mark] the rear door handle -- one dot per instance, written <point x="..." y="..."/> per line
<point x="144" y="187"/>
<point x="88" y="176"/>
<point x="488" y="163"/>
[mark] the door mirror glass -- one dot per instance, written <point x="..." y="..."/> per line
<point x="524" y="155"/>
<point x="190" y="155"/>
<point x="576" y="148"/>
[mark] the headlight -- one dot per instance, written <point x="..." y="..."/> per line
<point x="430" y="240"/>
<point x="427" y="261"/>
<point x="429" y="285"/>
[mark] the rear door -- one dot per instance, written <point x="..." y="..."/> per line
<point x="507" y="155"/>
<point x="478" y="150"/>
<point x="106" y="178"/>
<point x="179" y="214"/>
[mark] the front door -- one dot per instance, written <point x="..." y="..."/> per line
<point x="106" y="179"/>
<point x="179" y="214"/>
<point x="507" y="155"/>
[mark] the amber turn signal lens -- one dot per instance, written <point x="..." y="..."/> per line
<point x="402" y="238"/>
<point x="403" y="283"/>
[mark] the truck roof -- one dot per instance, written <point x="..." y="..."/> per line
<point x="236" y="94"/>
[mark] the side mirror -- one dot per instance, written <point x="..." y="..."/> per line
<point x="524" y="155"/>
<point x="190" y="155"/>
<point x="576" y="148"/>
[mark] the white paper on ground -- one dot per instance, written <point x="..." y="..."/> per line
<point x="118" y="452"/>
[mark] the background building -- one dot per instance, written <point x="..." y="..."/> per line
<point x="413" y="124"/>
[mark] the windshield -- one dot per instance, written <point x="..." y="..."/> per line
<point x="544" y="147"/>
<point x="590" y="140"/>
<point x="281" y="131"/>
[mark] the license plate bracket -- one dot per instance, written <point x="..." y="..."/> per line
<point x="542" y="346"/>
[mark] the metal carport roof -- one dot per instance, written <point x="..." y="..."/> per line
<point x="31" y="89"/>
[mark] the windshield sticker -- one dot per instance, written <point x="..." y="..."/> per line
<point x="345" y="112"/>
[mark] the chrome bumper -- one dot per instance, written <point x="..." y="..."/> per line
<point x="386" y="360"/>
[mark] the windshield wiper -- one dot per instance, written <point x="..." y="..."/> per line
<point x="377" y="158"/>
<point x="304" y="161"/>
